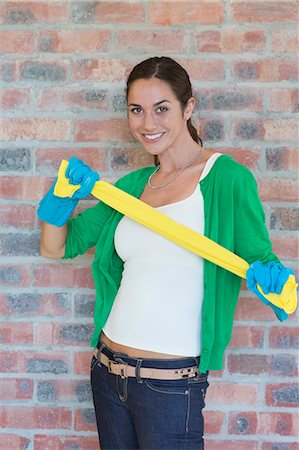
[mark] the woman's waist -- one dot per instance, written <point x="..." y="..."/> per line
<point x="132" y="355"/>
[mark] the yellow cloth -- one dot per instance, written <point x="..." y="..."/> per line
<point x="180" y="234"/>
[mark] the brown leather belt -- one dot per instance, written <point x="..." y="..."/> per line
<point x="125" y="371"/>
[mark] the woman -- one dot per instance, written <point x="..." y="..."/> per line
<point x="163" y="316"/>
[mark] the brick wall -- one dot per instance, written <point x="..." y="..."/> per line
<point x="62" y="71"/>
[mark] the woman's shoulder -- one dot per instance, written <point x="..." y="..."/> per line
<point x="226" y="166"/>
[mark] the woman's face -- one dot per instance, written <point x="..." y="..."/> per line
<point x="155" y="116"/>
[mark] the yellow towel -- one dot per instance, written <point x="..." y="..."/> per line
<point x="180" y="234"/>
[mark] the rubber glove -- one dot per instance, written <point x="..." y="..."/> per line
<point x="56" y="210"/>
<point x="271" y="277"/>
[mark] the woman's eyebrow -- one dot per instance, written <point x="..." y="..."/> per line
<point x="156" y="104"/>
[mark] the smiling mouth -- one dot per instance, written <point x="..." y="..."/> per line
<point x="152" y="137"/>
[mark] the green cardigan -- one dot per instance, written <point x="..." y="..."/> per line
<point x="234" y="218"/>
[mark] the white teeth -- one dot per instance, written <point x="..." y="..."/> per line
<point x="152" y="137"/>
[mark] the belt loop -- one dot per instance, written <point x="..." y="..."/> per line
<point x="100" y="348"/>
<point x="137" y="371"/>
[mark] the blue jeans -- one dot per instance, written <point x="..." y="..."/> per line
<point x="148" y="414"/>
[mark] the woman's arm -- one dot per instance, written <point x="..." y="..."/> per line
<point x="52" y="243"/>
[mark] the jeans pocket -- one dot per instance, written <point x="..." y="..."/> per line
<point x="171" y="387"/>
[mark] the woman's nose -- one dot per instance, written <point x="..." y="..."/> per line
<point x="149" y="121"/>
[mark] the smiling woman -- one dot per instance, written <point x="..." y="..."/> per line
<point x="163" y="315"/>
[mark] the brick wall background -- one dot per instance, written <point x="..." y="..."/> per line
<point x="62" y="70"/>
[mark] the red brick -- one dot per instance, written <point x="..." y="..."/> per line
<point x="284" y="424"/>
<point x="37" y="304"/>
<point x="35" y="417"/>
<point x="216" y="373"/>
<point x="106" y="70"/>
<point x="284" y="219"/>
<point x="286" y="247"/>
<point x="14" y="275"/>
<point x="278" y="189"/>
<point x="46" y="129"/>
<point x="284" y="100"/>
<point x="149" y="41"/>
<point x="17" y="215"/>
<point x="8" y="71"/>
<point x="252" y="423"/>
<point x="13" y="99"/>
<point x="265" y="70"/>
<point x="209" y="41"/>
<point x="16" y="41"/>
<point x="285" y="40"/>
<point x="48" y="159"/>
<point x="230" y="99"/>
<point x="14" y="442"/>
<point x="224" y="393"/>
<point x="16" y="12"/>
<point x="64" y="390"/>
<point x="281" y="129"/>
<point x="242" y="423"/>
<point x="278" y="445"/>
<point x="230" y="445"/>
<point x="16" y="333"/>
<point x="284" y="337"/>
<point x="42" y="70"/>
<point x="123" y="159"/>
<point x="264" y="11"/>
<point x="85" y="420"/>
<point x="288" y="70"/>
<point x="76" y="100"/>
<point x="250" y="364"/>
<point x="247" y="337"/>
<point x="63" y="275"/>
<point x="66" y="334"/>
<point x="102" y="130"/>
<point x="248" y="129"/>
<point x="214" y="421"/>
<point x="25" y="361"/>
<point x="24" y="188"/>
<point x="78" y="41"/>
<point x="119" y="12"/>
<point x="282" y="394"/>
<point x="82" y="362"/>
<point x="253" y="309"/>
<point x="204" y="70"/>
<point x="187" y="12"/>
<point x="16" y="389"/>
<point x="282" y="158"/>
<point x="230" y="41"/>
<point x="47" y="442"/>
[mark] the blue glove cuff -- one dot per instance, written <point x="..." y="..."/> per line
<point x="56" y="210"/>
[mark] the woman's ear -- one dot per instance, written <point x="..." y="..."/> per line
<point x="189" y="108"/>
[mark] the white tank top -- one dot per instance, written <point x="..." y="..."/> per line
<point x="159" y="301"/>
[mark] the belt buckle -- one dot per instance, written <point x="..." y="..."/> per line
<point x="122" y="371"/>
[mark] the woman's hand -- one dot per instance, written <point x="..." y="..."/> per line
<point x="56" y="210"/>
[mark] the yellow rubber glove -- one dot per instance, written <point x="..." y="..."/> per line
<point x="175" y="232"/>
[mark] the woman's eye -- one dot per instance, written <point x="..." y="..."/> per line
<point x="161" y="109"/>
<point x="136" y="110"/>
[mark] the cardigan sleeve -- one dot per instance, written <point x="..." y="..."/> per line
<point x="252" y="240"/>
<point x="85" y="229"/>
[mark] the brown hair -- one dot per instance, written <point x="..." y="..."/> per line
<point x="168" y="70"/>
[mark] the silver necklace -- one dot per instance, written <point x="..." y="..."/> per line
<point x="149" y="181"/>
